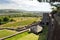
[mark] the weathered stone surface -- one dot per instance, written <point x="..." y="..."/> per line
<point x="54" y="29"/>
<point x="36" y="29"/>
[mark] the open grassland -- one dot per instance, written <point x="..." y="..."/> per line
<point x="4" y="33"/>
<point x="21" y="22"/>
<point x="30" y="37"/>
<point x="18" y="36"/>
<point x="24" y="36"/>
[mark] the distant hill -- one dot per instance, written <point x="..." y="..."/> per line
<point x="10" y="11"/>
<point x="19" y="11"/>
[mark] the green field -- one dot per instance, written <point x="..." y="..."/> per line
<point x="30" y="36"/>
<point x="21" y="22"/>
<point x="24" y="36"/>
<point x="18" y="36"/>
<point x="4" y="33"/>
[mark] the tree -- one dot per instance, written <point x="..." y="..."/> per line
<point x="6" y="19"/>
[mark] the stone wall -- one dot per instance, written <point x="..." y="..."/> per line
<point x="54" y="28"/>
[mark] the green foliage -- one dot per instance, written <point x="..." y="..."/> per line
<point x="34" y="21"/>
<point x="12" y="20"/>
<point x="1" y="19"/>
<point x="6" y="19"/>
<point x="43" y="35"/>
<point x="20" y="15"/>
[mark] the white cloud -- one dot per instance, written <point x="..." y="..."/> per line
<point x="26" y="5"/>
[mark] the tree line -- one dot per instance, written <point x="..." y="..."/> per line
<point x="4" y="20"/>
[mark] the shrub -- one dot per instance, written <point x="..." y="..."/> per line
<point x="6" y="19"/>
<point x="1" y="19"/>
<point x="12" y="20"/>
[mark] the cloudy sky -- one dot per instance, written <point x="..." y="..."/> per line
<point x="24" y="4"/>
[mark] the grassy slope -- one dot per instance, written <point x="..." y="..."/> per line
<point x="4" y="33"/>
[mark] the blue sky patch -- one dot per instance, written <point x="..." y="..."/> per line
<point x="4" y="1"/>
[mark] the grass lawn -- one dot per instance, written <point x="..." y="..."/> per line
<point x="24" y="36"/>
<point x="21" y="21"/>
<point x="29" y="37"/>
<point x="18" y="36"/>
<point x="4" y="33"/>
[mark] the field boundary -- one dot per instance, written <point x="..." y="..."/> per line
<point x="26" y="28"/>
<point x="14" y="34"/>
